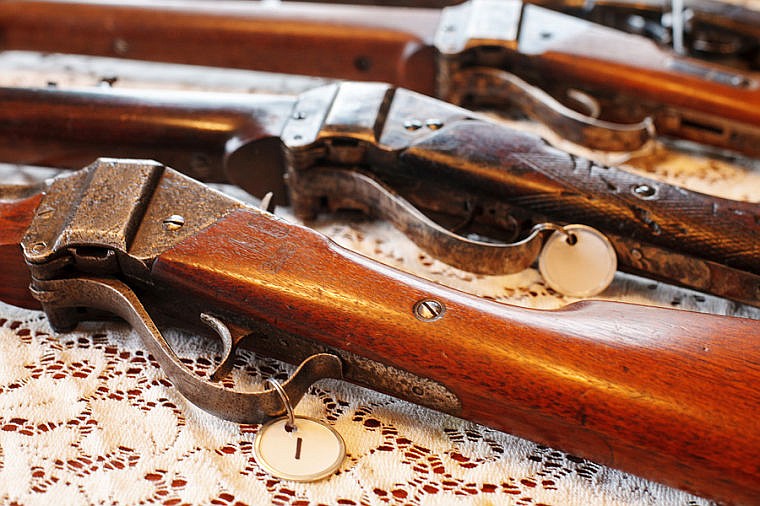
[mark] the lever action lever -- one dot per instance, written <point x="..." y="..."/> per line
<point x="58" y="296"/>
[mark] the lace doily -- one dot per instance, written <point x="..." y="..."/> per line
<point x="88" y="417"/>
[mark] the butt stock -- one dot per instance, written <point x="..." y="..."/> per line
<point x="362" y="42"/>
<point x="665" y="394"/>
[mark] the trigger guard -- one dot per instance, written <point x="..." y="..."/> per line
<point x="242" y="407"/>
<point x="461" y="252"/>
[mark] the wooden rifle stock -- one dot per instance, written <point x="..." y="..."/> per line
<point x="665" y="394"/>
<point x="669" y="395"/>
<point x="457" y="55"/>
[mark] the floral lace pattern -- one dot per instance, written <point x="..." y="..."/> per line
<point x="87" y="417"/>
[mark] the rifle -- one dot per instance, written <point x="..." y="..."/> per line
<point x="666" y="394"/>
<point x="393" y="153"/>
<point x="480" y="53"/>
<point x="722" y="32"/>
<point x="716" y="31"/>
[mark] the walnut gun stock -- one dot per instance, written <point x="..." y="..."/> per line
<point x="392" y="152"/>
<point x="483" y="52"/>
<point x="666" y="394"/>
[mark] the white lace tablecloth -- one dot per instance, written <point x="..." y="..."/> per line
<point x="88" y="417"/>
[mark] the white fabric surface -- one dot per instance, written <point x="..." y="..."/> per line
<point x="86" y="417"/>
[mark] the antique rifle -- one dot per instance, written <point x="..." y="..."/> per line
<point x="713" y="30"/>
<point x="394" y="153"/>
<point x="718" y="31"/>
<point x="667" y="394"/>
<point x="593" y="85"/>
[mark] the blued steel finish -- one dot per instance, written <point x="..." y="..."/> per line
<point x="109" y="219"/>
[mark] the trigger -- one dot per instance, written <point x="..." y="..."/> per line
<point x="229" y="343"/>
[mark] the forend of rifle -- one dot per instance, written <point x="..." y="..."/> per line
<point x="612" y="382"/>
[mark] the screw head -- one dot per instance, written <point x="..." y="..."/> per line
<point x="173" y="222"/>
<point x="428" y="310"/>
<point x="434" y="124"/>
<point x="39" y="247"/>
<point x="412" y="124"/>
<point x="644" y="191"/>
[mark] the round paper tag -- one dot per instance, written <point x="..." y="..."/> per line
<point x="580" y="269"/>
<point x="311" y="452"/>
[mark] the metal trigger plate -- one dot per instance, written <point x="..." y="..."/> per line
<point x="580" y="269"/>
<point x="311" y="452"/>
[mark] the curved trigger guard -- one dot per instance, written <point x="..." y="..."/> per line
<point x="241" y="407"/>
<point x="578" y="128"/>
<point x="461" y="252"/>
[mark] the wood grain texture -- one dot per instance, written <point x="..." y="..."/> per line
<point x="489" y="161"/>
<point x="360" y="43"/>
<point x="195" y="132"/>
<point x="666" y="394"/>
<point x="15" y="218"/>
<point x="632" y="77"/>
<point x="628" y="75"/>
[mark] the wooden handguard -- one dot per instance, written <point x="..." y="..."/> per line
<point x="666" y="394"/>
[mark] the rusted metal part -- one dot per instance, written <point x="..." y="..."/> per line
<point x="357" y="369"/>
<point x="241" y="407"/>
<point x="114" y="218"/>
<point x="504" y="35"/>
<point x="449" y="156"/>
<point x="698" y="274"/>
<point x="490" y="85"/>
<point x="441" y="158"/>
<point x="116" y="212"/>
<point x="469" y="32"/>
<point x="353" y="189"/>
<point x="725" y="32"/>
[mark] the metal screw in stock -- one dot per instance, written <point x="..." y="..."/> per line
<point x="429" y="310"/>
